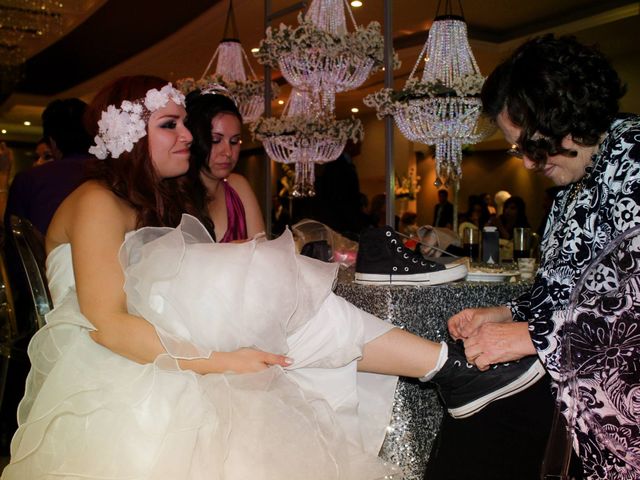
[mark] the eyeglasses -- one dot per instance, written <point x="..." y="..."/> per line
<point x="515" y="151"/>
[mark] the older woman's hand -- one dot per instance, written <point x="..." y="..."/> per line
<point x="497" y="343"/>
<point x="466" y="322"/>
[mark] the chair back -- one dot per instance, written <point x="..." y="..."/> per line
<point x="8" y="323"/>
<point x="8" y="327"/>
<point x="30" y="245"/>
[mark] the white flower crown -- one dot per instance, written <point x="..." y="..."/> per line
<point x="120" y="128"/>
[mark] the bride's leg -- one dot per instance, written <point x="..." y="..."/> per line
<point x="401" y="353"/>
<point x="464" y="389"/>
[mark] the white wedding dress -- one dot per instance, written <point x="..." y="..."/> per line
<point x="90" y="413"/>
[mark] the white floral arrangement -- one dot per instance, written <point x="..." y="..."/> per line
<point x="363" y="42"/>
<point x="242" y="92"/>
<point x="387" y="101"/>
<point x="407" y="186"/>
<point x="302" y="127"/>
<point x="119" y="128"/>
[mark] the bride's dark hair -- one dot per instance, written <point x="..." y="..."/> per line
<point x="132" y="176"/>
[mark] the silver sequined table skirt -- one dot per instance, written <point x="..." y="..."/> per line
<point x="417" y="412"/>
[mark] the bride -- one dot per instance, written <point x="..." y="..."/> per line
<point x="216" y="361"/>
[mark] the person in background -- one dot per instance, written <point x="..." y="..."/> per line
<point x="377" y="210"/>
<point x="488" y="202"/>
<point x="443" y="211"/>
<point x="6" y="163"/>
<point x="557" y="101"/>
<point x="43" y="153"/>
<point x="476" y="215"/>
<point x="224" y="196"/>
<point x="513" y="215"/>
<point x="337" y="202"/>
<point x="36" y="193"/>
<point x="498" y="199"/>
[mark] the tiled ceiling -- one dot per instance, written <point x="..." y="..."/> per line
<point x="173" y="40"/>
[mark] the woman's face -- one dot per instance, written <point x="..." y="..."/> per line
<point x="560" y="169"/>
<point x="510" y="211"/>
<point x="225" y="145"/>
<point x="44" y="153"/>
<point x="169" y="141"/>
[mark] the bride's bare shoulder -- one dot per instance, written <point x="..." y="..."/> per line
<point x="92" y="206"/>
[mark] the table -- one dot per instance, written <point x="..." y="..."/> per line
<point x="417" y="412"/>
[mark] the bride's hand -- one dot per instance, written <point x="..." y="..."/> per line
<point x="249" y="360"/>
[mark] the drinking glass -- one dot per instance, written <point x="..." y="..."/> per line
<point x="521" y="242"/>
<point x="471" y="243"/>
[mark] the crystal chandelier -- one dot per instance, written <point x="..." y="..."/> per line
<point x="443" y="107"/>
<point x="320" y="55"/>
<point x="24" y="23"/>
<point x="22" y="20"/>
<point x="305" y="135"/>
<point x="230" y="73"/>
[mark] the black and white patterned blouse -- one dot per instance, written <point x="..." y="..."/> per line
<point x="587" y="217"/>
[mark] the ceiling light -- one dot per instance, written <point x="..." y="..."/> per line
<point x="4" y="131"/>
<point x="280" y="102"/>
<point x="255" y="50"/>
<point x="355" y="110"/>
<point x="356" y="3"/>
<point x="27" y="123"/>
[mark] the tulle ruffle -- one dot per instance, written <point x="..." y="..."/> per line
<point x="90" y="413"/>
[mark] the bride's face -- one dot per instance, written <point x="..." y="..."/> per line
<point x="169" y="141"/>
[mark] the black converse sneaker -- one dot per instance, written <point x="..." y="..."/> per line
<point x="465" y="390"/>
<point x="383" y="259"/>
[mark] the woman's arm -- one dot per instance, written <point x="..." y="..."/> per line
<point x="96" y="232"/>
<point x="254" y="217"/>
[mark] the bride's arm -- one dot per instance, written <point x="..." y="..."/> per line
<point x="99" y="221"/>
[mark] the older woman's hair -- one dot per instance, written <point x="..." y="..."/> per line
<point x="553" y="87"/>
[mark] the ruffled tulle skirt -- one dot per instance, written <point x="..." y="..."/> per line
<point x="90" y="413"/>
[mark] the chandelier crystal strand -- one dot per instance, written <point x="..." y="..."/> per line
<point x="230" y="58"/>
<point x="320" y="54"/>
<point x="230" y="73"/>
<point x="305" y="135"/>
<point x="442" y="107"/>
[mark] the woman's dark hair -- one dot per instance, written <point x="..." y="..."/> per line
<point x="554" y="87"/>
<point x="521" y="217"/>
<point x="477" y="201"/>
<point x="132" y="176"/>
<point x="202" y="108"/>
<point x="62" y="122"/>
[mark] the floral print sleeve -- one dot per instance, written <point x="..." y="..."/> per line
<point x="586" y="217"/>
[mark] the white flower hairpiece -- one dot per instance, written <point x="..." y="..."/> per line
<point x="120" y="128"/>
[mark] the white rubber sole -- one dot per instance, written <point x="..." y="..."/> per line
<point x="456" y="272"/>
<point x="535" y="372"/>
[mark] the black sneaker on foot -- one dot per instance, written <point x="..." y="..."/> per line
<point x="383" y="259"/>
<point x="465" y="390"/>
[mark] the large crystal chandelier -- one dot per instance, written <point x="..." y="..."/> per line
<point x="23" y="26"/>
<point x="230" y="73"/>
<point x="304" y="135"/>
<point x="320" y="55"/>
<point x="443" y="107"/>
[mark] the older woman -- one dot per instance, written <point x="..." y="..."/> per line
<point x="557" y="100"/>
